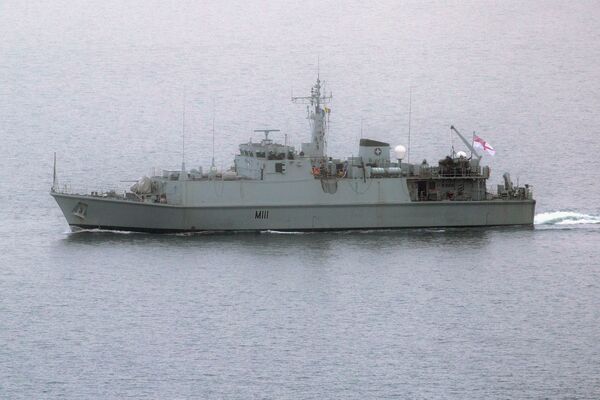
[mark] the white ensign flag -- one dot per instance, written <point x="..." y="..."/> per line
<point x="479" y="143"/>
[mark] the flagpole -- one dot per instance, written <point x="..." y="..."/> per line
<point x="54" y="174"/>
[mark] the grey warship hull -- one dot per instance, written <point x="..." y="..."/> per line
<point x="114" y="214"/>
<point x="272" y="186"/>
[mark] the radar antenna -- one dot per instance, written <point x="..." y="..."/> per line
<point x="266" y="132"/>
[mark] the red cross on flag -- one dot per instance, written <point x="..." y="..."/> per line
<point x="479" y="143"/>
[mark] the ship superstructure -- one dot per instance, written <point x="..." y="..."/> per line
<point x="273" y="186"/>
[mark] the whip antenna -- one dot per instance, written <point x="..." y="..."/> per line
<point x="409" y="121"/>
<point x="183" y="135"/>
<point x="213" y="136"/>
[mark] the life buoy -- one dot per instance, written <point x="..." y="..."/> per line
<point x="316" y="171"/>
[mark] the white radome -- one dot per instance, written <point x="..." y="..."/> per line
<point x="461" y="154"/>
<point x="400" y="151"/>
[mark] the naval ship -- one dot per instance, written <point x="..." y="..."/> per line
<point x="274" y="186"/>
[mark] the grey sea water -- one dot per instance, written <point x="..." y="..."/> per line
<point x="426" y="314"/>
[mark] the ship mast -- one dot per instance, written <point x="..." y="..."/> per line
<point x="317" y="116"/>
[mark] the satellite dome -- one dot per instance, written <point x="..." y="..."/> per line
<point x="461" y="154"/>
<point x="400" y="151"/>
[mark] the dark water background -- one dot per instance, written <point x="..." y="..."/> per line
<point x="480" y="313"/>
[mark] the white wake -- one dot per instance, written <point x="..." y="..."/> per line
<point x="565" y="218"/>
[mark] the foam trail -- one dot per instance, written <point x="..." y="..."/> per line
<point x="84" y="231"/>
<point x="276" y="232"/>
<point x="565" y="218"/>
